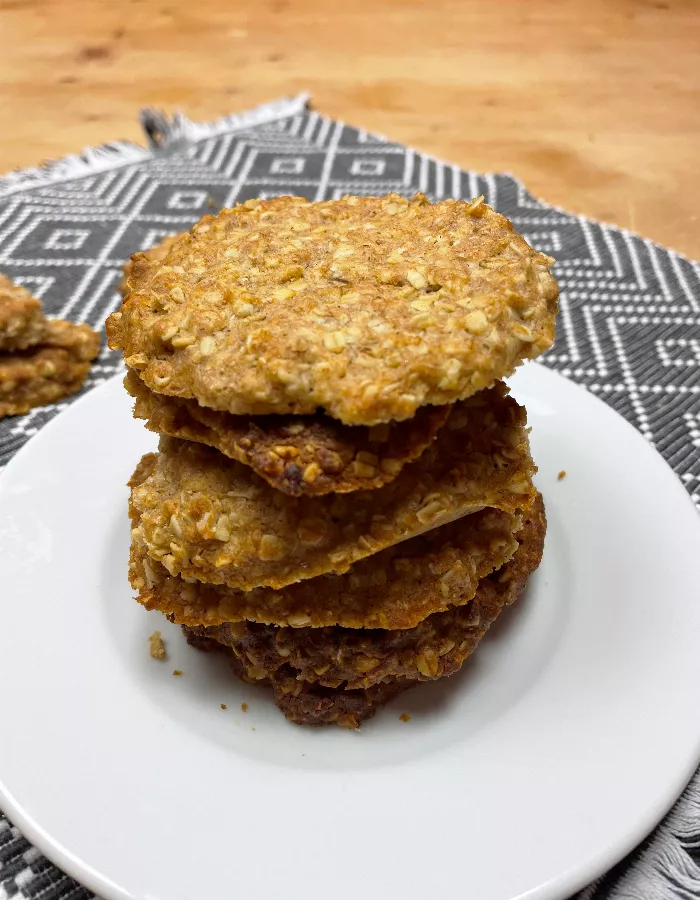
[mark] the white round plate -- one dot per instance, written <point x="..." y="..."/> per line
<point x="554" y="751"/>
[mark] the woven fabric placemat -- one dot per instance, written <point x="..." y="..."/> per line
<point x="629" y="329"/>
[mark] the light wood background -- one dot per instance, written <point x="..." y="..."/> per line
<point x="595" y="104"/>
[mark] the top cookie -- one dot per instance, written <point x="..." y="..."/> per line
<point x="365" y="307"/>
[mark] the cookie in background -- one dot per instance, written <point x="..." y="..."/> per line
<point x="41" y="360"/>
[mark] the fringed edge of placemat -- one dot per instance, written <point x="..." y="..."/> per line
<point x="164" y="133"/>
<point x="169" y="133"/>
<point x="91" y="161"/>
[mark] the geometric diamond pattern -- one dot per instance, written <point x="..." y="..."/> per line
<point x="629" y="328"/>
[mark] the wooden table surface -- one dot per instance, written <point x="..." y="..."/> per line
<point x="595" y="104"/>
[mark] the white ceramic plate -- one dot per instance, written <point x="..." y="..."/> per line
<point x="552" y="753"/>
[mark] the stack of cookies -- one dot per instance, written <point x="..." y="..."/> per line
<point x="41" y="360"/>
<point x="342" y="500"/>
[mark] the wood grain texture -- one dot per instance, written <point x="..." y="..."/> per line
<point x="594" y="104"/>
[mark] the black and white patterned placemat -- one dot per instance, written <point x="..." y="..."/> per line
<point x="629" y="329"/>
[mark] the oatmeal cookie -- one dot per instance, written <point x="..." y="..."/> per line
<point x="358" y="658"/>
<point x="312" y="455"/>
<point x="313" y="704"/>
<point x="393" y="589"/>
<point x="80" y="341"/>
<point x="22" y="322"/>
<point x="365" y="307"/>
<point x="49" y="371"/>
<point x="136" y="263"/>
<point x="207" y="517"/>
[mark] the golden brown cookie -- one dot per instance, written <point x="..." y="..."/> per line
<point x="367" y="308"/>
<point x="207" y="517"/>
<point x="312" y="455"/>
<point x="49" y="371"/>
<point x="393" y="589"/>
<point x="136" y="263"/>
<point x="22" y="322"/>
<point x="369" y="667"/>
<point x="80" y="341"/>
<point x="359" y="658"/>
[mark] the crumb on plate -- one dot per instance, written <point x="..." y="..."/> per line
<point x="156" y="647"/>
<point x="223" y="706"/>
<point x="177" y="672"/>
<point x="561" y="475"/>
<point x="244" y="706"/>
<point x="405" y="717"/>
